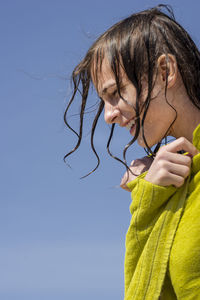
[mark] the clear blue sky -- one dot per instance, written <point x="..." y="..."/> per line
<point x="60" y="237"/>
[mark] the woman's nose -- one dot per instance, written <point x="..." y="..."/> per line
<point x="111" y="114"/>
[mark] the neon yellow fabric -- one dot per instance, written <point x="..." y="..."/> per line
<point x="162" y="259"/>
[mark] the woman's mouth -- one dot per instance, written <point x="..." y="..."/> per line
<point x="131" y="126"/>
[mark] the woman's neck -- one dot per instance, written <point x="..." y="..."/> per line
<point x="188" y="116"/>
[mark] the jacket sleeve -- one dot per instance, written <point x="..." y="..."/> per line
<point x="148" y="202"/>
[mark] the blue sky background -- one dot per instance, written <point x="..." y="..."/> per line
<point x="60" y="237"/>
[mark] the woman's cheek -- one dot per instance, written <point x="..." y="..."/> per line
<point x="150" y="135"/>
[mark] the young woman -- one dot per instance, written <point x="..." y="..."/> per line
<point x="146" y="71"/>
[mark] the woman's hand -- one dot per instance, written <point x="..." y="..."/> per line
<point x="170" y="167"/>
<point x="137" y="167"/>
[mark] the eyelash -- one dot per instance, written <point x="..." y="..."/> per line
<point x="115" y="92"/>
<point x="114" y="95"/>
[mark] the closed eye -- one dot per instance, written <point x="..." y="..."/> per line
<point x="115" y="93"/>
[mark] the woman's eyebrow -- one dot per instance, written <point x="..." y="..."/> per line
<point x="106" y="87"/>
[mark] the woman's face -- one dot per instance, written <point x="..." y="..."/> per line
<point x="159" y="116"/>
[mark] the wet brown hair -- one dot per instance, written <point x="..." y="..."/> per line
<point x="135" y="43"/>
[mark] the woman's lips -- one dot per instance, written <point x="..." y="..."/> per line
<point x="130" y="124"/>
<point x="132" y="130"/>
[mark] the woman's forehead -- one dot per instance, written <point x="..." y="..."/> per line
<point x="103" y="76"/>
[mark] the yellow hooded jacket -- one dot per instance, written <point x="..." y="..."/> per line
<point x="162" y="259"/>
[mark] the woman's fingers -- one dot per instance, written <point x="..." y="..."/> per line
<point x="137" y="167"/>
<point x="170" y="167"/>
<point x="174" y="179"/>
<point x="180" y="170"/>
<point x="174" y="158"/>
<point x="179" y="145"/>
<point x="167" y="173"/>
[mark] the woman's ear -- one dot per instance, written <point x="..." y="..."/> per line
<point x="167" y="66"/>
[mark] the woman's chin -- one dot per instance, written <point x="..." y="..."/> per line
<point x="141" y="143"/>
